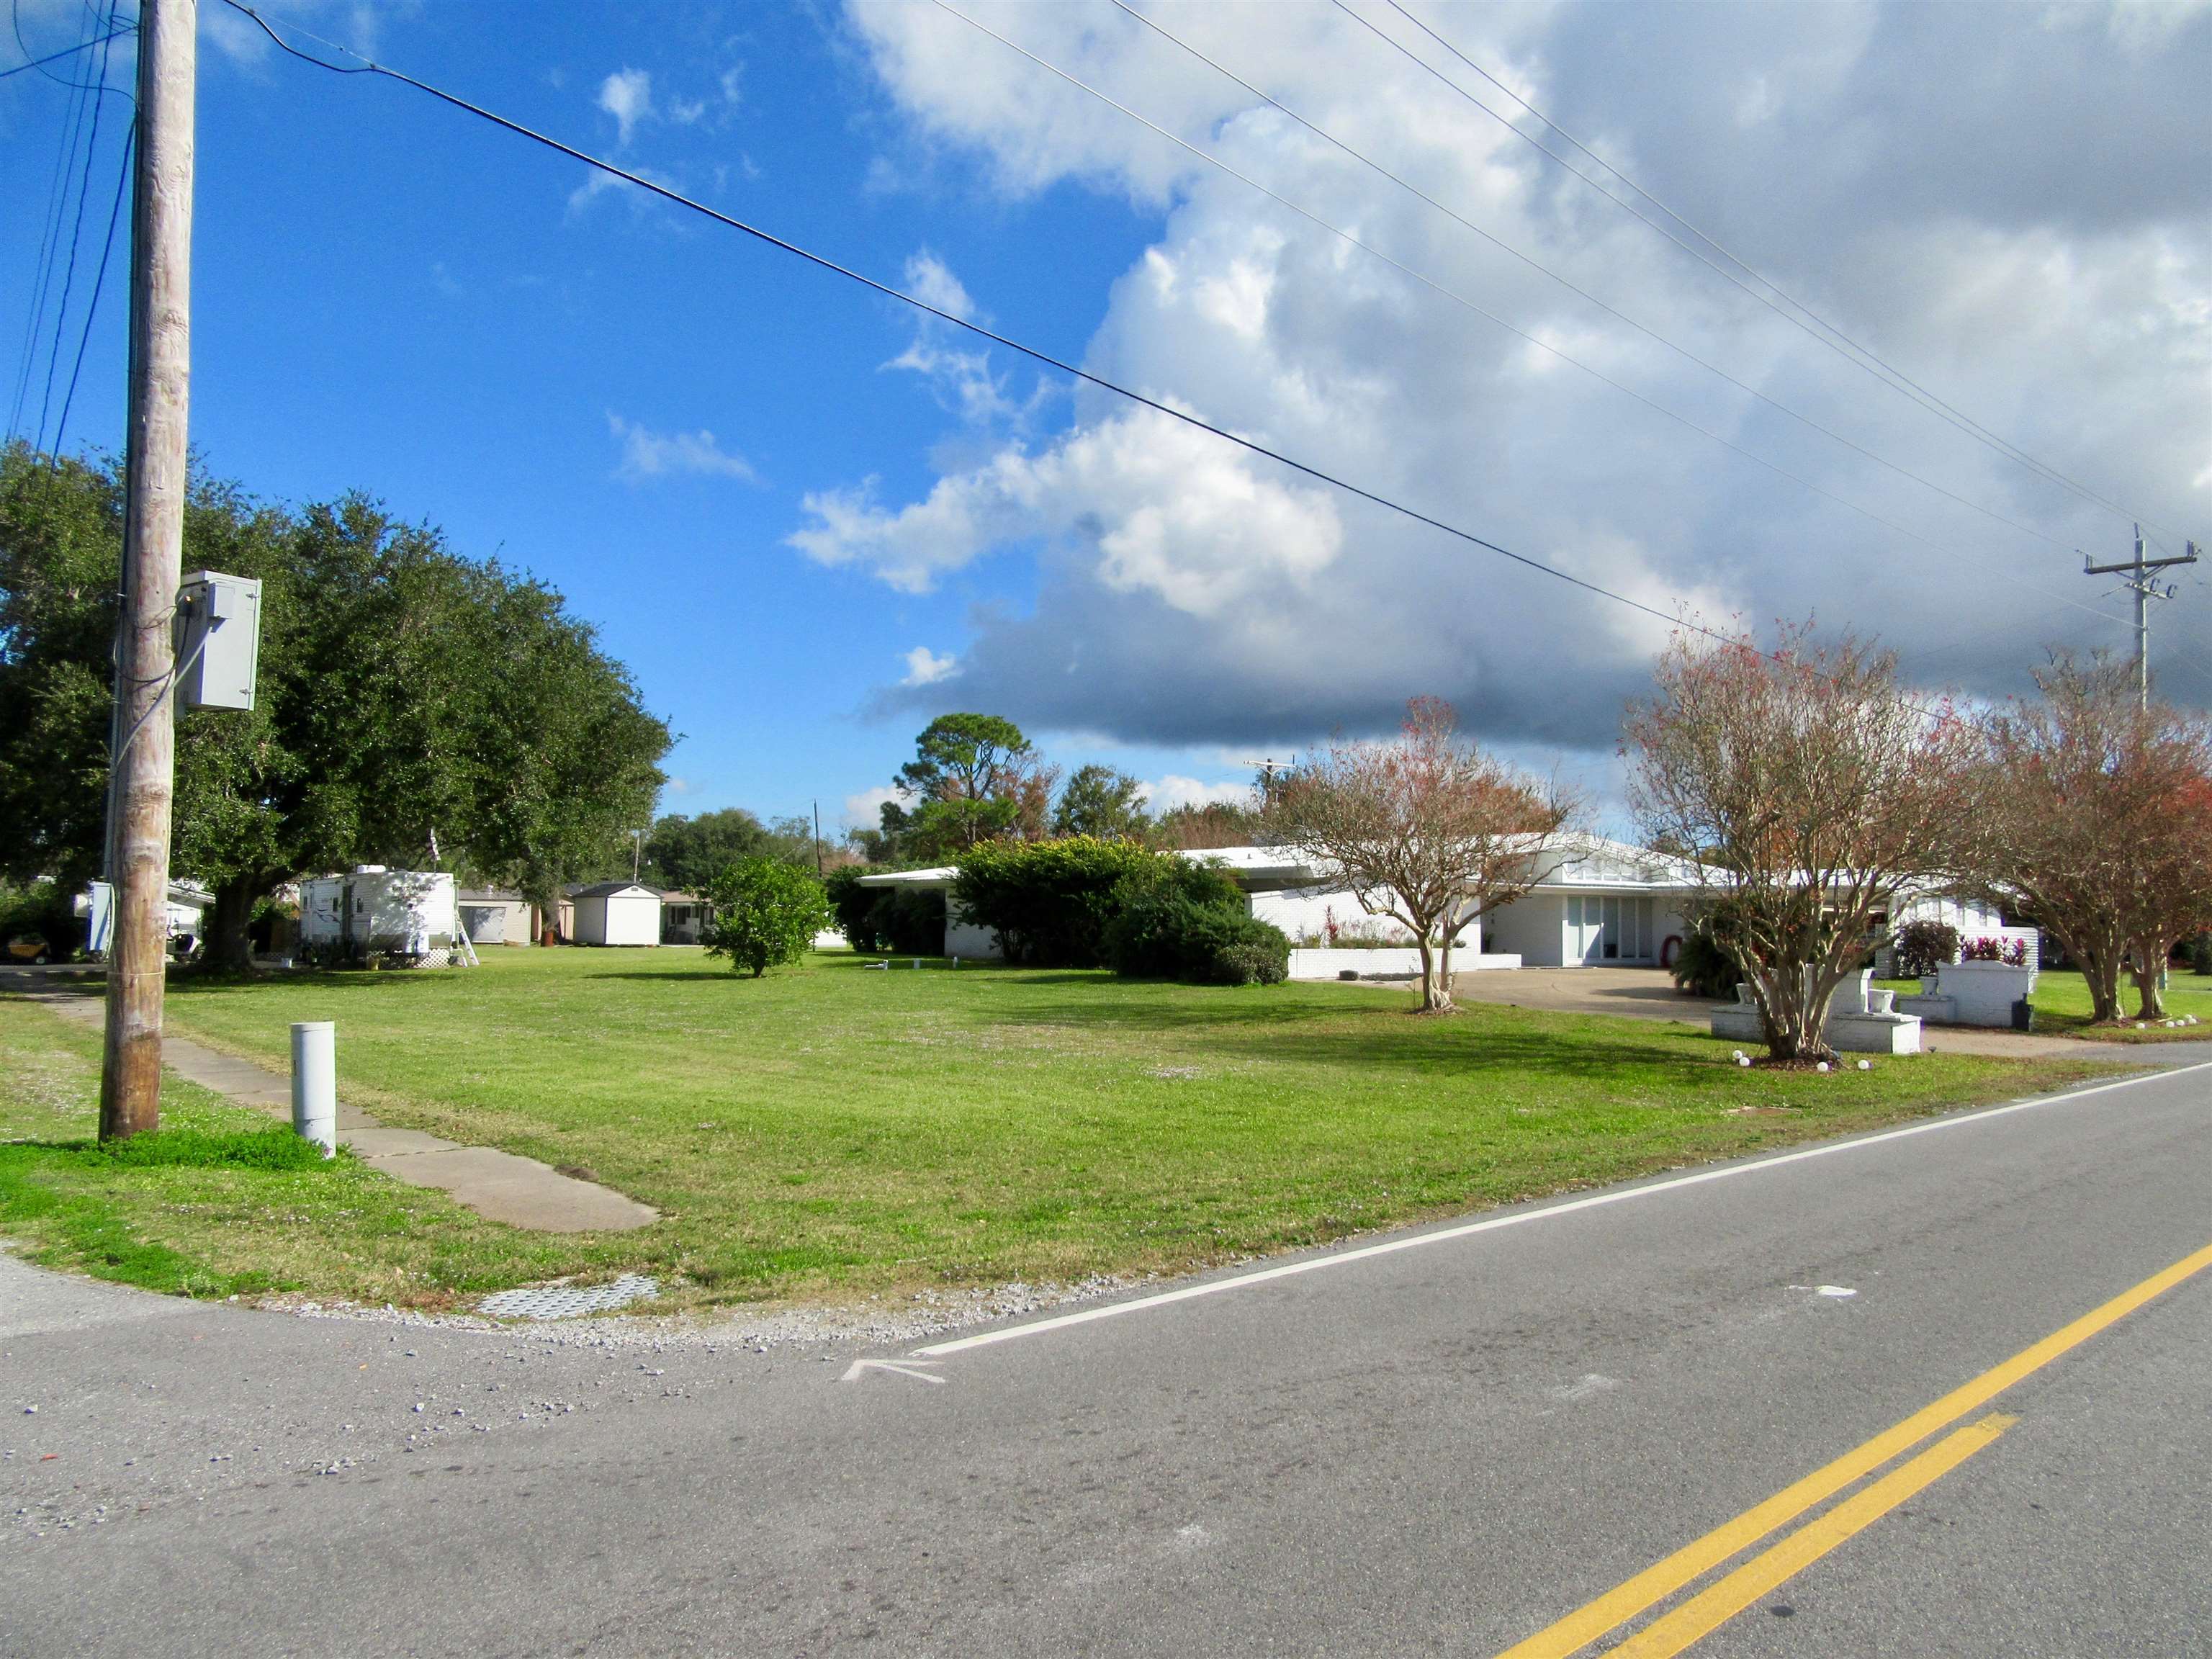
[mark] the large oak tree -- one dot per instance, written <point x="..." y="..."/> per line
<point x="413" y="707"/>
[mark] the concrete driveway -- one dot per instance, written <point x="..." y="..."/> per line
<point x="1649" y="993"/>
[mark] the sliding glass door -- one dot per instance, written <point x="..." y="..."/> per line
<point x="1602" y="928"/>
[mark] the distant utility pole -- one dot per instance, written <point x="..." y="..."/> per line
<point x="817" y="840"/>
<point x="144" y="762"/>
<point x="2140" y="579"/>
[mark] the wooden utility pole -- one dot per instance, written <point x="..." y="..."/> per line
<point x="153" y="550"/>
<point x="2141" y="579"/>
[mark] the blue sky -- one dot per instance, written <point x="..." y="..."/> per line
<point x="771" y="491"/>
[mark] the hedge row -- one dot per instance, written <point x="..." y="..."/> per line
<point x="1084" y="903"/>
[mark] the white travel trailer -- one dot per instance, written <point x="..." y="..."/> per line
<point x="407" y="913"/>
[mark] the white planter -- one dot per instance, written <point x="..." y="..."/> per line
<point x="1394" y="963"/>
<point x="1984" y="991"/>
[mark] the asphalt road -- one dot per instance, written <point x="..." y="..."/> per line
<point x="1435" y="1450"/>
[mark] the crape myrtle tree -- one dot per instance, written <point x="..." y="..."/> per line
<point x="1808" y="794"/>
<point x="1426" y="827"/>
<point x="2101" y="815"/>
<point x="413" y="707"/>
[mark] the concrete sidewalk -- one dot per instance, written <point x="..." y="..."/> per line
<point x="498" y="1185"/>
<point x="1649" y="993"/>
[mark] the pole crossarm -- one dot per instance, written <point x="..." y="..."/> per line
<point x="2139" y="576"/>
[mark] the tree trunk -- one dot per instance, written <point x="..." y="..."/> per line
<point x="1435" y="997"/>
<point x="1794" y="1009"/>
<point x="2148" y="967"/>
<point x="2101" y="970"/>
<point x="227" y="949"/>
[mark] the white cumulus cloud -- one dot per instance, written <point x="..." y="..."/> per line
<point x="925" y="668"/>
<point x="1154" y="507"/>
<point x="1174" y="790"/>
<point x="646" y="454"/>
<point x="864" y="811"/>
<point x="627" y="95"/>
<point x="2033" y="242"/>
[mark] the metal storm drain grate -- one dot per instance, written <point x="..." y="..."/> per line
<point x="566" y="1301"/>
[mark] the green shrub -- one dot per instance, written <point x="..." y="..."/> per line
<point x="1050" y="902"/>
<point x="906" y="921"/>
<point x="1925" y="946"/>
<point x="766" y="913"/>
<point x="1175" y="919"/>
<point x="1701" y="969"/>
<point x="1243" y="951"/>
<point x="2200" y="953"/>
<point x="910" y="921"/>
<point x="850" y="903"/>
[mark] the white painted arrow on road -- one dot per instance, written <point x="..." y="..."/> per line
<point x="912" y="1368"/>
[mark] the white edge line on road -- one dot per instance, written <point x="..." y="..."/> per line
<point x="1490" y="1223"/>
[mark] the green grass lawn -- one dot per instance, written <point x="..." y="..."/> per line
<point x="2061" y="1005"/>
<point x="833" y="1131"/>
<point x="198" y="1209"/>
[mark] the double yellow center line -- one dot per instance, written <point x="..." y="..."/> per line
<point x="1722" y="1601"/>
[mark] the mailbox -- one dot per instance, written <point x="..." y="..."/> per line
<point x="218" y="640"/>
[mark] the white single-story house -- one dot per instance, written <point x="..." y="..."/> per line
<point x="1595" y="902"/>
<point x="614" y="913"/>
<point x="684" y="916"/>
<point x="492" y="915"/>
<point x="1598" y="903"/>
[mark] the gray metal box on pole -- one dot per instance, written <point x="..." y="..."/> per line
<point x="218" y="640"/>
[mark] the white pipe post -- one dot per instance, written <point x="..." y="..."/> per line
<point x="315" y="1084"/>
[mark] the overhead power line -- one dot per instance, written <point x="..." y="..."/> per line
<point x="823" y="262"/>
<point x="56" y="56"/>
<point x="1791" y="309"/>
<point x="77" y="240"/>
<point x="72" y="134"/>
<point x="1429" y="282"/>
<point x="99" y="286"/>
